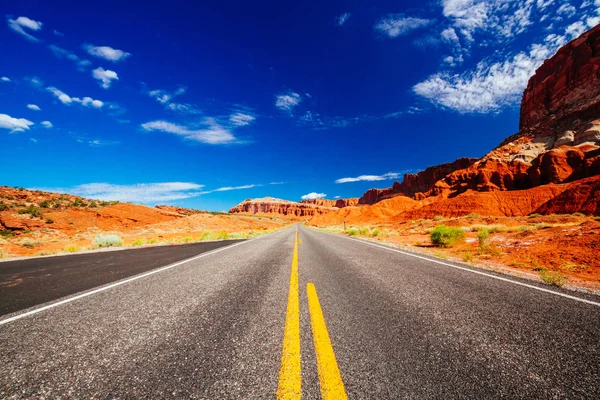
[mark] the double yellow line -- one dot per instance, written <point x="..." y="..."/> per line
<point x="290" y="373"/>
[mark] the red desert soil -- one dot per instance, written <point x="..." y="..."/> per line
<point x="41" y="223"/>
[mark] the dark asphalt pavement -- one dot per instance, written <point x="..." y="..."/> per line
<point x="212" y="328"/>
<point x="26" y="283"/>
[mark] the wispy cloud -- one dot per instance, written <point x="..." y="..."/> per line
<point x="183" y="108"/>
<point x="22" y="24"/>
<point x="287" y="101"/>
<point x="395" y="25"/>
<point x="342" y="19"/>
<point x="66" y="99"/>
<point x="313" y="196"/>
<point x="46" y="124"/>
<point x="33" y="107"/>
<point x="106" y="52"/>
<point x="164" y="97"/>
<point x="230" y="188"/>
<point x="211" y="133"/>
<point x="14" y="124"/>
<point x="145" y="193"/>
<point x="241" y="118"/>
<point x="370" y="178"/>
<point x="5" y="79"/>
<point x="105" y="76"/>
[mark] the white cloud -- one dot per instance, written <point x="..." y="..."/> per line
<point x="317" y="121"/>
<point x="107" y="53"/>
<point x="287" y="101"/>
<point x="395" y="25"/>
<point x="137" y="193"/>
<point x="34" y="81"/>
<point x="164" y="97"/>
<point x="567" y="10"/>
<point x="5" y="79"/>
<point x="575" y="29"/>
<point x="370" y="178"/>
<point x="57" y="33"/>
<point x="20" y="25"/>
<point x="212" y="133"/>
<point x="106" y="76"/>
<point x="66" y="99"/>
<point x="46" y="124"/>
<point x="241" y="119"/>
<point x="230" y="188"/>
<point x="14" y="124"/>
<point x="183" y="108"/>
<point x="342" y="19"/>
<point x="33" y="107"/>
<point x="313" y="196"/>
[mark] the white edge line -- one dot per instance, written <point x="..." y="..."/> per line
<point x="470" y="270"/>
<point x="122" y="282"/>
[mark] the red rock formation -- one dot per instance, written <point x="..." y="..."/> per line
<point x="565" y="88"/>
<point x="416" y="183"/>
<point x="339" y="203"/>
<point x="273" y="206"/>
<point x="581" y="196"/>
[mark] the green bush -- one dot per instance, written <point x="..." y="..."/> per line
<point x="49" y="221"/>
<point x="473" y="215"/>
<point x="3" y="206"/>
<point x="352" y="232"/>
<point x="207" y="236"/>
<point x="375" y="233"/>
<point x="534" y="215"/>
<point x="438" y="218"/>
<point x="552" y="278"/>
<point x="138" y="242"/>
<point x="578" y="214"/>
<point x="108" y="240"/>
<point x="365" y="231"/>
<point x="45" y="204"/>
<point x="223" y="235"/>
<point x="33" y="211"/>
<point x="445" y="236"/>
<point x="482" y="236"/>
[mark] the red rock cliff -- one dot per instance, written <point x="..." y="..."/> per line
<point x="565" y="88"/>
<point x="273" y="206"/>
<point x="339" y="203"/>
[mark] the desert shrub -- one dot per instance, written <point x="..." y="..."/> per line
<point x="468" y="257"/>
<point x="445" y="236"/>
<point x="552" y="278"/>
<point x="49" y="221"/>
<point x="578" y="214"/>
<point x="93" y="204"/>
<point x="6" y="233"/>
<point x="108" y="240"/>
<point x="3" y="206"/>
<point x="153" y="241"/>
<point x="365" y="231"/>
<point x="222" y="235"/>
<point x="438" y="218"/>
<point x="56" y="206"/>
<point x="138" y="242"/>
<point x="78" y="203"/>
<point x="473" y="215"/>
<point x="207" y="236"/>
<point x="482" y="236"/>
<point x="45" y="204"/>
<point x="32" y="210"/>
<point x="71" y="249"/>
<point x="352" y="232"/>
<point x="29" y="243"/>
<point x="534" y="215"/>
<point x="375" y="233"/>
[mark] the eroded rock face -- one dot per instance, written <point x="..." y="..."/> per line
<point x="566" y="88"/>
<point x="339" y="203"/>
<point x="415" y="184"/>
<point x="273" y="206"/>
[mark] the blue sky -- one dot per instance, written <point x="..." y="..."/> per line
<point x="205" y="105"/>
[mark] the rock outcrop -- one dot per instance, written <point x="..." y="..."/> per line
<point x="273" y="206"/>
<point x="414" y="185"/>
<point x="565" y="89"/>
<point x="339" y="203"/>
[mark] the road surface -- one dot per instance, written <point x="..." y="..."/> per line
<point x="301" y="312"/>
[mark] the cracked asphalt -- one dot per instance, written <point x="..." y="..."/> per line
<point x="212" y="328"/>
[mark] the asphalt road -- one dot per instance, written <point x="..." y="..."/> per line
<point x="218" y="327"/>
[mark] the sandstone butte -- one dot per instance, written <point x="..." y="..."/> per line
<point x="552" y="165"/>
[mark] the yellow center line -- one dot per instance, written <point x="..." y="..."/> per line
<point x="290" y="376"/>
<point x="332" y="386"/>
